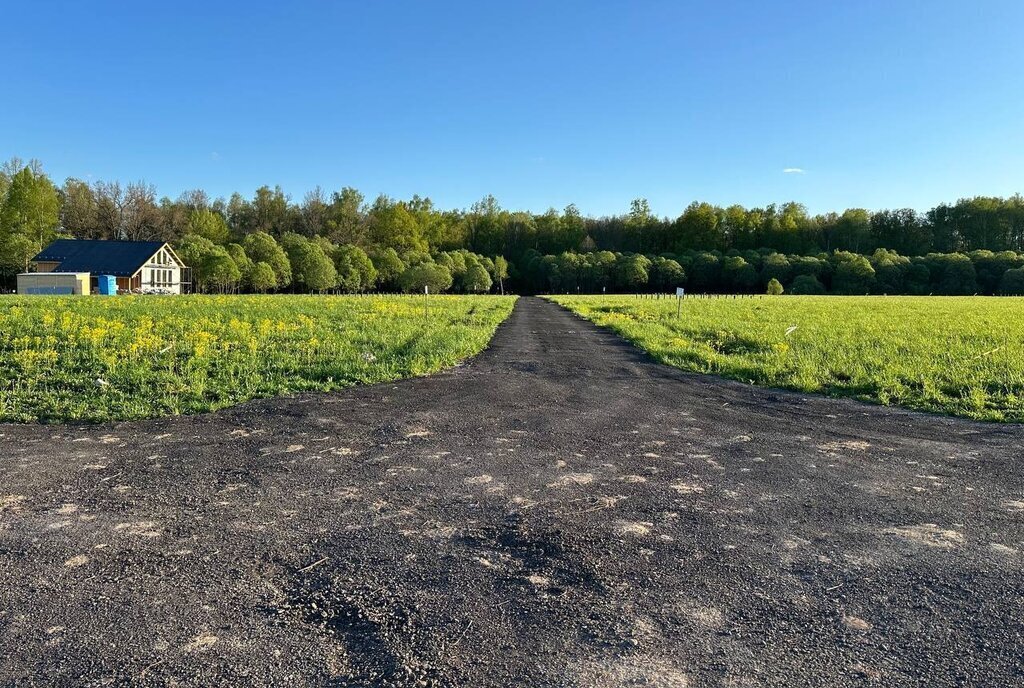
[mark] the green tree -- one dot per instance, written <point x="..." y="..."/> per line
<point x="890" y="268"/>
<point x="356" y="272"/>
<point x="16" y="251"/>
<point x="774" y="287"/>
<point x="79" y="215"/>
<point x="218" y="271"/>
<point x="632" y="271"/>
<point x="958" y="276"/>
<point x="501" y="272"/>
<point x="739" y="275"/>
<point x="209" y="224"/>
<point x="437" y="277"/>
<point x="311" y="266"/>
<point x="388" y="265"/>
<point x="391" y="225"/>
<point x="667" y="273"/>
<point x="242" y="261"/>
<point x="853" y="275"/>
<point x="477" y="280"/>
<point x="1012" y="283"/>
<point x="806" y="284"/>
<point x="345" y="221"/>
<point x="260" y="247"/>
<point x="705" y="271"/>
<point x="262" y="278"/>
<point x="776" y="266"/>
<point x="31" y="209"/>
<point x="193" y="249"/>
<point x="698" y="228"/>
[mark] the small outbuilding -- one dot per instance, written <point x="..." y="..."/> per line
<point x="115" y="266"/>
<point x="54" y="283"/>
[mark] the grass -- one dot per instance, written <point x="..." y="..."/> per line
<point x="119" y="358"/>
<point x="953" y="355"/>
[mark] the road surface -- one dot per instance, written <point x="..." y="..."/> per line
<point x="559" y="511"/>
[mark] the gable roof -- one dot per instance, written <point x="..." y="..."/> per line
<point x="121" y="258"/>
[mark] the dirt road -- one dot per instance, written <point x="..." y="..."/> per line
<point x="558" y="512"/>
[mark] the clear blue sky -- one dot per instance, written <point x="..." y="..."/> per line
<point x="880" y="103"/>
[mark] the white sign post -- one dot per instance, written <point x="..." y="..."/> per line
<point x="426" y="293"/>
<point x="680" y="293"/>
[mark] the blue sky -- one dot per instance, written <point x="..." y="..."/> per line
<point x="879" y="103"/>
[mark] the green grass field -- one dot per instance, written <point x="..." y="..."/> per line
<point x="95" y="359"/>
<point x="956" y="355"/>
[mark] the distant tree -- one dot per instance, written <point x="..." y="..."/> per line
<point x="890" y="269"/>
<point x="344" y="218"/>
<point x="952" y="273"/>
<point x="806" y="284"/>
<point x="774" y="287"/>
<point x="209" y="224"/>
<point x="776" y="266"/>
<point x="632" y="272"/>
<point x="437" y="277"/>
<point x="140" y="215"/>
<point x="1012" y="283"/>
<point x="356" y="271"/>
<point x="242" y="261"/>
<point x="31" y="209"/>
<point x="705" y="271"/>
<point x="901" y="230"/>
<point x="79" y="214"/>
<point x="959" y="276"/>
<point x="740" y="275"/>
<point x="260" y="247"/>
<point x="391" y="225"/>
<point x="388" y="265"/>
<point x="853" y="275"/>
<point x="311" y="266"/>
<point x="218" y="271"/>
<point x="667" y="273"/>
<point x="699" y="227"/>
<point x="268" y="212"/>
<point x="501" y="272"/>
<point x="262" y="278"/>
<point x="313" y="214"/>
<point x="477" y="280"/>
<point x="191" y="249"/>
<point x="16" y="252"/>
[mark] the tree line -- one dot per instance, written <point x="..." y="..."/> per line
<point x="340" y="241"/>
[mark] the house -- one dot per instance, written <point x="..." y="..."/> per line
<point x="135" y="266"/>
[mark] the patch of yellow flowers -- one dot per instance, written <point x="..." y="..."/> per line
<point x="129" y="357"/>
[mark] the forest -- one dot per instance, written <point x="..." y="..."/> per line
<point x="340" y="241"/>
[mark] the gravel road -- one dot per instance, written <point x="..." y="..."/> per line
<point x="559" y="511"/>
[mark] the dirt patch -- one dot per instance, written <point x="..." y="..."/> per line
<point x="633" y="528"/>
<point x="845" y="445"/>
<point x="76" y="561"/>
<point x="929" y="534"/>
<point x="688" y="488"/>
<point x="572" y="479"/>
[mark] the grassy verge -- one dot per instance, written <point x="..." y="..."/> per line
<point x="96" y="359"/>
<point x="955" y="355"/>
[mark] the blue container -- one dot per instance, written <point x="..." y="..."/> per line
<point x="106" y="284"/>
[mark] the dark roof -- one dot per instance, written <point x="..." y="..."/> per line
<point x="121" y="258"/>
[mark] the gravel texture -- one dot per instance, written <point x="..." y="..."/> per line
<point x="559" y="511"/>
